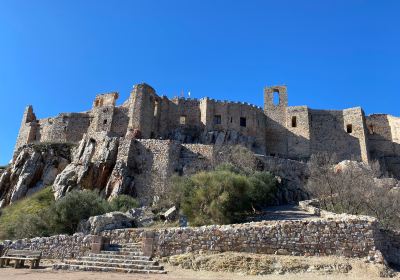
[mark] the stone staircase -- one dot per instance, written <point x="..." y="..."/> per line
<point x="126" y="258"/>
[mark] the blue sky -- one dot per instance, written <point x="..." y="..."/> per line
<point x="57" y="55"/>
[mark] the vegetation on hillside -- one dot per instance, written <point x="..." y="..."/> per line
<point x="222" y="196"/>
<point x="25" y="208"/>
<point x="353" y="190"/>
<point x="40" y="215"/>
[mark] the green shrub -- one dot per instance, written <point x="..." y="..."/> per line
<point x="14" y="216"/>
<point x="221" y="196"/>
<point x="66" y="213"/>
<point x="40" y="215"/>
<point x="123" y="203"/>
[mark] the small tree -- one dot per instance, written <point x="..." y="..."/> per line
<point x="221" y="196"/>
<point x="67" y="212"/>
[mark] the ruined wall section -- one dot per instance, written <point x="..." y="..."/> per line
<point x="120" y="121"/>
<point x="181" y="118"/>
<point x="339" y="132"/>
<point x="383" y="135"/>
<point x="355" y="118"/>
<point x="27" y="130"/>
<point x="65" y="128"/>
<point x="276" y="131"/>
<point x="238" y="122"/>
<point x="384" y="141"/>
<point x="298" y="136"/>
<point x="195" y="157"/>
<point x="154" y="162"/>
<point x="143" y="117"/>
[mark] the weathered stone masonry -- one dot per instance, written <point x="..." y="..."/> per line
<point x="278" y="129"/>
<point x="351" y="237"/>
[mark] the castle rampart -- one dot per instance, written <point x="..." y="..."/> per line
<point x="294" y="132"/>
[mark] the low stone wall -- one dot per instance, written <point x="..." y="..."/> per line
<point x="340" y="235"/>
<point x="55" y="247"/>
<point x="344" y="237"/>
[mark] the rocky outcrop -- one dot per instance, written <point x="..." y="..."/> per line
<point x="108" y="221"/>
<point x="291" y="175"/>
<point x="93" y="162"/>
<point x="35" y="167"/>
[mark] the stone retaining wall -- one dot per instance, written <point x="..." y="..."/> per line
<point x="340" y="235"/>
<point x="57" y="246"/>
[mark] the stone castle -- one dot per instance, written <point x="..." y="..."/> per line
<point x="293" y="132"/>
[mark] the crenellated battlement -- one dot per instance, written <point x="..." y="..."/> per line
<point x="277" y="129"/>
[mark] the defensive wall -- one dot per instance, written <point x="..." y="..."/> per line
<point x="294" y="132"/>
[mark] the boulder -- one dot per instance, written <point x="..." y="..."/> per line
<point x="108" y="221"/>
<point x="143" y="216"/>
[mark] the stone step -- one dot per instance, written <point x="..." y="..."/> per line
<point x="129" y="250"/>
<point x="116" y="260"/>
<point x="116" y="265"/>
<point x="105" y="269"/>
<point x="122" y="253"/>
<point x="127" y="245"/>
<point x="119" y="256"/>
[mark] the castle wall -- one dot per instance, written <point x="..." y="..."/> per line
<point x="155" y="162"/>
<point x="298" y="136"/>
<point x="120" y="121"/>
<point x="27" y="130"/>
<point x="245" y="119"/>
<point x="329" y="133"/>
<point x="276" y="131"/>
<point x="384" y="141"/>
<point x="141" y="111"/>
<point x="65" y="128"/>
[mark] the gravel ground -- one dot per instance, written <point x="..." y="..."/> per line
<point x="360" y="271"/>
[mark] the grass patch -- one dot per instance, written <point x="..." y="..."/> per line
<point x="22" y="209"/>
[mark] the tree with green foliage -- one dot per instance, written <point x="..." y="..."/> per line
<point x="66" y="213"/>
<point x="222" y="196"/>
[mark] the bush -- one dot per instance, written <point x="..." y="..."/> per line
<point x="353" y="191"/>
<point x="14" y="216"/>
<point x="40" y="215"/>
<point x="66" y="213"/>
<point x="123" y="203"/>
<point x="221" y="196"/>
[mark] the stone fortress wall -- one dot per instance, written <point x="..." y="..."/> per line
<point x="294" y="132"/>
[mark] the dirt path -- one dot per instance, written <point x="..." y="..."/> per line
<point x="358" y="272"/>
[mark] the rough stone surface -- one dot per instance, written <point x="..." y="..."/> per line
<point x="331" y="234"/>
<point x="35" y="167"/>
<point x="134" y="148"/>
<point x="143" y="216"/>
<point x="113" y="220"/>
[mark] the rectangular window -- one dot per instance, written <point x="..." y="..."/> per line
<point x="217" y="119"/>
<point x="294" y="121"/>
<point x="182" y="120"/>
<point x="349" y="128"/>
<point x="243" y="122"/>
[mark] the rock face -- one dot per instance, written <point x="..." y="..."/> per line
<point x="108" y="221"/>
<point x="35" y="167"/>
<point x="93" y="162"/>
